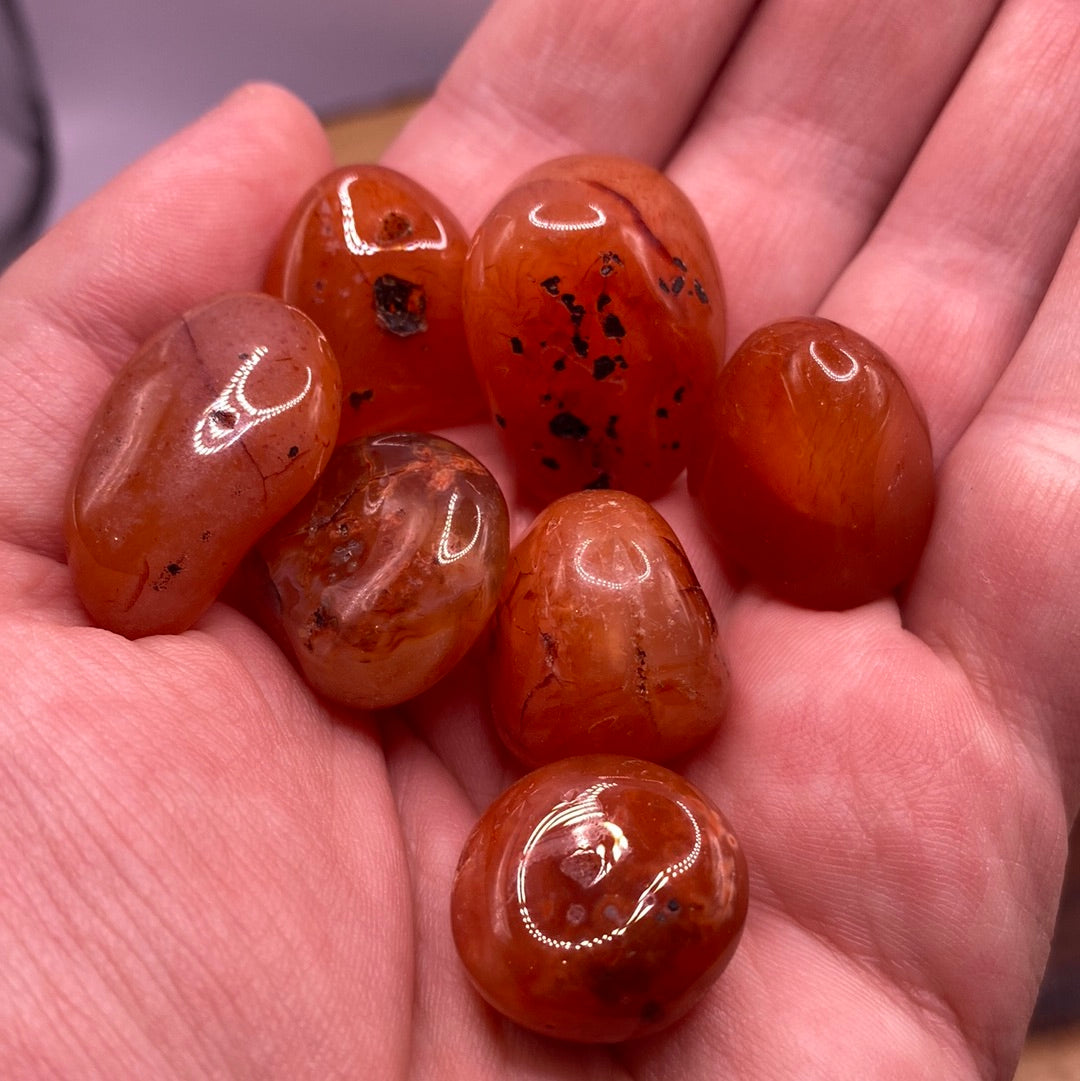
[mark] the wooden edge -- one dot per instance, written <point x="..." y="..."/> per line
<point x="363" y="136"/>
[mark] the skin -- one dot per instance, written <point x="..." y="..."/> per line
<point x="207" y="873"/>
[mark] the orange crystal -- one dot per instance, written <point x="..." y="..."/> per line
<point x="376" y="261"/>
<point x="595" y="317"/>
<point x="816" y="472"/>
<point x="389" y="570"/>
<point x="598" y="899"/>
<point x="216" y="427"/>
<point x="603" y="638"/>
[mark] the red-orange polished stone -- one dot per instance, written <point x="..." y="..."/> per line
<point x="595" y="316"/>
<point x="598" y="899"/>
<point x="209" y="434"/>
<point x="376" y="260"/>
<point x="603" y="638"/>
<point x="816" y="471"/>
<point x="389" y="570"/>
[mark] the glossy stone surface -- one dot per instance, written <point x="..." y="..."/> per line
<point x="598" y="899"/>
<point x="376" y="260"/>
<point x="389" y="570"/>
<point x="595" y="316"/>
<point x="817" y="474"/>
<point x="215" y="428"/>
<point x="603" y="638"/>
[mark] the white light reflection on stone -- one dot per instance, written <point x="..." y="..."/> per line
<point x="584" y="815"/>
<point x="230" y="416"/>
<point x="824" y="360"/>
<point x="443" y="553"/>
<point x="359" y="246"/>
<point x="633" y="578"/>
<point x="599" y="218"/>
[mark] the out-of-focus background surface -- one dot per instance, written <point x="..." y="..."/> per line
<point x="119" y="76"/>
<point x="26" y="149"/>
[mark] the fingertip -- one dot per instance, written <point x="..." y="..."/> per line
<point x="280" y="113"/>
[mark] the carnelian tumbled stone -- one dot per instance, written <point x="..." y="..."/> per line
<point x="603" y="638"/>
<point x="376" y="260"/>
<point x="816" y="475"/>
<point x="216" y="427"/>
<point x="389" y="570"/>
<point x="598" y="899"/>
<point x="595" y="317"/>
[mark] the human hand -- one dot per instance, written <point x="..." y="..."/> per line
<point x="208" y="872"/>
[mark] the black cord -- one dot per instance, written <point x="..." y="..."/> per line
<point x="36" y="135"/>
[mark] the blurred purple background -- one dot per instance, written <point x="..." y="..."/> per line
<point x="121" y="75"/>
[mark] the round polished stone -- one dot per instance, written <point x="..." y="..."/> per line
<point x="603" y="638"/>
<point x="595" y="316"/>
<point x="388" y="571"/>
<point x="376" y="260"/>
<point x="815" y="470"/>
<point x="598" y="899"/>
<point x="216" y="427"/>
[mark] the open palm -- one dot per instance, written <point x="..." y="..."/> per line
<point x="205" y="872"/>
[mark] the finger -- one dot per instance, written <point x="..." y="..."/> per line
<point x="460" y="735"/>
<point x="807" y="134"/>
<point x="950" y="280"/>
<point x="539" y="80"/>
<point x="999" y="584"/>
<point x="195" y="217"/>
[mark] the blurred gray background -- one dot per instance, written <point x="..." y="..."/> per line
<point x="119" y="76"/>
